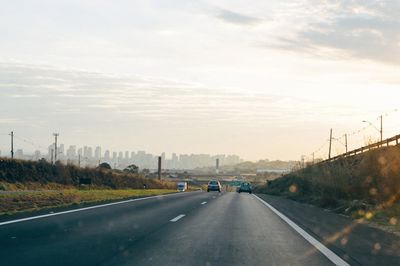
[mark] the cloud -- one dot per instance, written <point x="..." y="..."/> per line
<point x="359" y="29"/>
<point x="237" y="18"/>
<point x="9" y="120"/>
<point x="75" y="97"/>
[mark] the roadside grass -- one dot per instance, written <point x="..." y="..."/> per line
<point x="365" y="186"/>
<point x="12" y="202"/>
<point x="21" y="186"/>
<point x="387" y="218"/>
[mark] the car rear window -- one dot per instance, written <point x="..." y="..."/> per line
<point x="213" y="183"/>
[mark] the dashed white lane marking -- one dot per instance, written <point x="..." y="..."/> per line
<point x="177" y="218"/>
<point x="204" y="202"/>
<point x="318" y="245"/>
<point x="214" y="197"/>
<point x="84" y="209"/>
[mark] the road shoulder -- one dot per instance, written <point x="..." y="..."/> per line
<point x="357" y="243"/>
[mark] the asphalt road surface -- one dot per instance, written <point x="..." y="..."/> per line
<point x="197" y="228"/>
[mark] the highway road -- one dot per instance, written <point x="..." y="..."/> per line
<point x="196" y="228"/>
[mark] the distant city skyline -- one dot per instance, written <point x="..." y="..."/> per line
<point x="93" y="156"/>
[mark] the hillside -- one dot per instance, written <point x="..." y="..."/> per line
<point x="366" y="185"/>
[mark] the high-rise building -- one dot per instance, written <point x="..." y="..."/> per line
<point x="163" y="159"/>
<point x="175" y="161"/>
<point x="50" y="150"/>
<point x="107" y="155"/>
<point x="85" y="151"/>
<point x="71" y="152"/>
<point x="89" y="153"/>
<point x="97" y="153"/>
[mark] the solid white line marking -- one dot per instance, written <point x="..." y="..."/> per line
<point x="324" y="250"/>
<point x="204" y="202"/>
<point x="177" y="218"/>
<point x="84" y="209"/>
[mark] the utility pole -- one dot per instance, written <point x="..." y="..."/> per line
<point x="330" y="145"/>
<point x="313" y="158"/>
<point x="55" y="146"/>
<point x="79" y="160"/>
<point x="159" y="167"/>
<point x="12" y="145"/>
<point x="52" y="156"/>
<point x="345" y="141"/>
<point x="381" y="131"/>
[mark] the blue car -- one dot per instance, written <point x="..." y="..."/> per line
<point x="245" y="187"/>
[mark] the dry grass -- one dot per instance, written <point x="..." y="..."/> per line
<point x="18" y="186"/>
<point x="22" y="201"/>
<point x="365" y="186"/>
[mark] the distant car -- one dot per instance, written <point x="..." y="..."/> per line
<point x="182" y="186"/>
<point x="214" y="186"/>
<point x="245" y="187"/>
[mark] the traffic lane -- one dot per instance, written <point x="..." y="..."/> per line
<point x="90" y="236"/>
<point x="236" y="229"/>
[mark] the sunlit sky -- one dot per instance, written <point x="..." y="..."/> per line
<point x="260" y="79"/>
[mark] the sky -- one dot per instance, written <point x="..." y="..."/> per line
<point x="266" y="80"/>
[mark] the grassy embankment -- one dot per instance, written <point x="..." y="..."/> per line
<point x="32" y="186"/>
<point x="366" y="186"/>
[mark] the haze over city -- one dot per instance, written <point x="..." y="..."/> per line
<point x="266" y="80"/>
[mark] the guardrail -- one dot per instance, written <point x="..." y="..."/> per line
<point x="379" y="144"/>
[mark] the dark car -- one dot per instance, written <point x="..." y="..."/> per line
<point x="214" y="186"/>
<point x="244" y="187"/>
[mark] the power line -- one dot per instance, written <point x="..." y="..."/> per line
<point x="29" y="142"/>
<point x="355" y="132"/>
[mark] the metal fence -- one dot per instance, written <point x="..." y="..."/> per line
<point x="386" y="142"/>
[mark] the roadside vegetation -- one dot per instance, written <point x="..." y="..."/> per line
<point x="28" y="201"/>
<point x="366" y="186"/>
<point x="32" y="186"/>
<point x="44" y="173"/>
